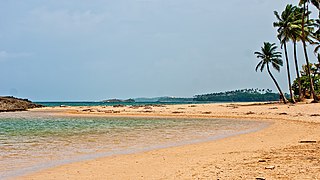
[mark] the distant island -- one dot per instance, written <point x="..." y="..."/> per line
<point x="119" y="101"/>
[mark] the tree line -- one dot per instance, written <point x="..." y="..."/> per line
<point x="242" y="95"/>
<point x="294" y="25"/>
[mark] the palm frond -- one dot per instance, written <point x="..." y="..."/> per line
<point x="277" y="15"/>
<point x="276" y="66"/>
<point x="258" y="66"/>
<point x="262" y="66"/>
<point x="269" y="54"/>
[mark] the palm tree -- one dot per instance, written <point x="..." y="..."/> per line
<point x="305" y="13"/>
<point x="284" y="34"/>
<point x="269" y="55"/>
<point x="316" y="37"/>
<point x="295" y="36"/>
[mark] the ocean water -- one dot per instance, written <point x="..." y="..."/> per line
<point x="89" y="103"/>
<point x="31" y="141"/>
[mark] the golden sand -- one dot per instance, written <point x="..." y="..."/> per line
<point x="284" y="150"/>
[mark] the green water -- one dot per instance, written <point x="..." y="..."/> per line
<point x="30" y="141"/>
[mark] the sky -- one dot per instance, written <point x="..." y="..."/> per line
<point x="90" y="50"/>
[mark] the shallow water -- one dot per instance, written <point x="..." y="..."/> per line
<point x="30" y="141"/>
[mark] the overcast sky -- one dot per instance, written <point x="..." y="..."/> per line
<point x="99" y="49"/>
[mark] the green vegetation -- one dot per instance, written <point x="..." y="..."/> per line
<point x="294" y="25"/>
<point x="305" y="81"/>
<point x="243" y="95"/>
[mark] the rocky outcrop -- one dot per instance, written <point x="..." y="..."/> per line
<point x="9" y="103"/>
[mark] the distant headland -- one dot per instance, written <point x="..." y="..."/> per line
<point x="119" y="101"/>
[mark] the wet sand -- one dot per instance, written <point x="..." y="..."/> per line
<point x="284" y="150"/>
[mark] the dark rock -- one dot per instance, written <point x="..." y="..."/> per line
<point x="283" y="113"/>
<point x="9" y="103"/>
<point x="177" y="112"/>
<point x="308" y="141"/>
<point x="207" y="112"/>
<point x="260" y="178"/>
<point x="250" y="112"/>
<point x="119" y="105"/>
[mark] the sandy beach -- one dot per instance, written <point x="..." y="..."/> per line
<point x="287" y="149"/>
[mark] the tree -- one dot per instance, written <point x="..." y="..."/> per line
<point x="285" y="30"/>
<point x="316" y="37"/>
<point x="294" y="33"/>
<point x="305" y="17"/>
<point x="269" y="55"/>
<point x="305" y="82"/>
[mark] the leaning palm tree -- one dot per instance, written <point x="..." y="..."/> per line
<point x="284" y="33"/>
<point x="305" y="16"/>
<point x="269" y="55"/>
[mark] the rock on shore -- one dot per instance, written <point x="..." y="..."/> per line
<point x="9" y="103"/>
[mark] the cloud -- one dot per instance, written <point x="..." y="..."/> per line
<point x="64" y="20"/>
<point x="4" y="55"/>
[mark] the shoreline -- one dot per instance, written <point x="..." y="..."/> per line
<point x="92" y="156"/>
<point x="232" y="157"/>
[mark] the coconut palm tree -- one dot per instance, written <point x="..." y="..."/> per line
<point x="305" y="15"/>
<point x="295" y="36"/>
<point x="316" y="37"/>
<point x="269" y="55"/>
<point x="284" y="35"/>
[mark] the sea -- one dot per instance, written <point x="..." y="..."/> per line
<point x="93" y="103"/>
<point x="31" y="141"/>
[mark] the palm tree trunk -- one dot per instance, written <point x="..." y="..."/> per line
<point x="312" y="92"/>
<point x="288" y="72"/>
<point x="297" y="68"/>
<point x="278" y="87"/>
